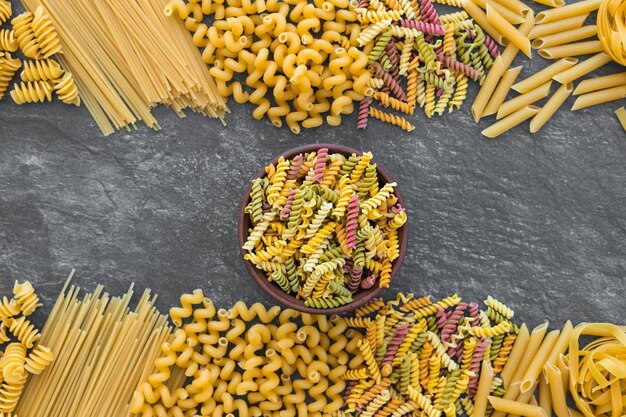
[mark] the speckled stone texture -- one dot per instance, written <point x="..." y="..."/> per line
<point x="536" y="221"/>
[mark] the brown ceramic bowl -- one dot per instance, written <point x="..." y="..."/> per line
<point x="361" y="297"/>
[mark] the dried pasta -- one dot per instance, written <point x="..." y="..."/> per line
<point x="333" y="226"/>
<point x="24" y="354"/>
<point x="269" y="361"/>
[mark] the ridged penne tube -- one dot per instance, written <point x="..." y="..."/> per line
<point x="501" y="91"/>
<point x="510" y="121"/>
<point x="582" y="68"/>
<point x="517" y="6"/>
<point x="544" y="75"/>
<point x="516" y="408"/>
<point x="564" y="37"/>
<point x="524" y="100"/>
<point x="551" y="106"/>
<point x="556" y="27"/>
<point x="571" y="49"/>
<point x="508" y="31"/>
<point x="510" y="52"/>
<point x="486" y="90"/>
<point x="481" y="18"/>
<point x="571" y="10"/>
<point x="600" y="83"/>
<point x="598" y="97"/>
<point x="551" y="3"/>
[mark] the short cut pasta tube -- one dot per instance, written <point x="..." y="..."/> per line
<point x="558" y="26"/>
<point x="484" y="386"/>
<point x="567" y="36"/>
<point x="515" y="357"/>
<point x="599" y="97"/>
<point x="545" y="398"/>
<point x="531" y="348"/>
<point x="557" y="390"/>
<point x="582" y="68"/>
<point x="517" y="6"/>
<point x="600" y="83"/>
<point x="524" y="100"/>
<point x="574" y="9"/>
<point x="571" y="49"/>
<point x="510" y="52"/>
<point x="534" y="369"/>
<point x="516" y="408"/>
<point x="544" y="75"/>
<point x="481" y="18"/>
<point x="511" y="16"/>
<point x="551" y="106"/>
<point x="503" y="88"/>
<point x="510" y="32"/>
<point x="509" y="122"/>
<point x="551" y="3"/>
<point x="486" y="90"/>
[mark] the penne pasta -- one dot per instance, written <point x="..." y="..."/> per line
<point x="544" y="75"/>
<point x="531" y="348"/>
<point x="600" y="83"/>
<point x="567" y="36"/>
<point x="507" y="123"/>
<point x="551" y="3"/>
<point x="557" y="390"/>
<point x="508" y="31"/>
<point x="621" y="116"/>
<point x="481" y="18"/>
<point x="548" y="109"/>
<point x="524" y="100"/>
<point x="582" y="68"/>
<point x="556" y="27"/>
<point x="516" y="408"/>
<point x="571" y="49"/>
<point x="534" y="369"/>
<point x="501" y="91"/>
<point x="561" y="344"/>
<point x="486" y="90"/>
<point x="510" y="52"/>
<point x="574" y="9"/>
<point x="515" y="357"/>
<point x="517" y="6"/>
<point x="484" y="386"/>
<point x="508" y="14"/>
<point x="545" y="400"/>
<point x="599" y="97"/>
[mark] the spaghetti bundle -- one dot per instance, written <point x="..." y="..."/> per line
<point x="128" y="57"/>
<point x="103" y="349"/>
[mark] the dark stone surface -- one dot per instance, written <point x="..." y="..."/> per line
<point x="537" y="221"/>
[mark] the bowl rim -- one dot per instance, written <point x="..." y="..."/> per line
<point x="277" y="293"/>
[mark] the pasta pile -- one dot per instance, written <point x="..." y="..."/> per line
<point x="298" y="61"/>
<point x="103" y="349"/>
<point x="324" y="226"/>
<point x="23" y="354"/>
<point x="430" y="358"/>
<point x="37" y="39"/>
<point x="248" y="361"/>
<point x="409" y="43"/>
<point x="126" y="57"/>
<point x="559" y="34"/>
<point x="593" y="375"/>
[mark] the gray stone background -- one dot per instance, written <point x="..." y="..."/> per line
<point x="537" y="221"/>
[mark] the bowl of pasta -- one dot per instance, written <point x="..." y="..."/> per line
<point x="322" y="229"/>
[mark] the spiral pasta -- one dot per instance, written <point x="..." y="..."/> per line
<point x="66" y="90"/>
<point x="417" y="365"/>
<point x="47" y="38"/>
<point x="5" y="11"/>
<point x="8" y="41"/>
<point x="32" y="92"/>
<point x="317" y="249"/>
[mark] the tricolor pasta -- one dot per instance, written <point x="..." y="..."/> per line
<point x="426" y="357"/>
<point x="320" y="228"/>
